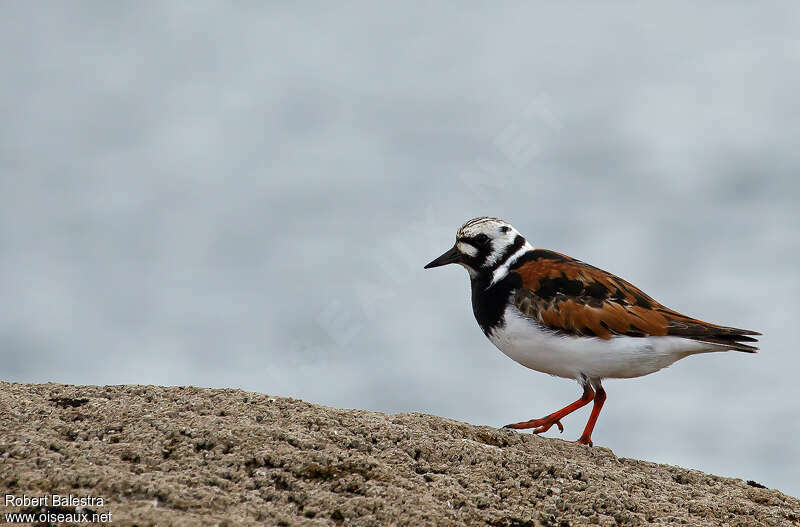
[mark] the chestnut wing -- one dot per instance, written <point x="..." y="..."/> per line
<point x="575" y="298"/>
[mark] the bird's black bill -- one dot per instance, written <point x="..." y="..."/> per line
<point x="451" y="256"/>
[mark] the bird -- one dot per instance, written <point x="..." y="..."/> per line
<point x="558" y="315"/>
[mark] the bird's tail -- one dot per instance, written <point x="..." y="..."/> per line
<point x="730" y="338"/>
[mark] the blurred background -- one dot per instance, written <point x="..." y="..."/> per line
<point x="242" y="195"/>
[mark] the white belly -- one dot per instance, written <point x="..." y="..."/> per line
<point x="525" y="341"/>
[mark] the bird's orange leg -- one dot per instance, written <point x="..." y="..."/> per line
<point x="544" y="424"/>
<point x="599" y="399"/>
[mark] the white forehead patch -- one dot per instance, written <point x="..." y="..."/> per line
<point x="467" y="248"/>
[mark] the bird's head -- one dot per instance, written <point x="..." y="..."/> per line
<point x="482" y="245"/>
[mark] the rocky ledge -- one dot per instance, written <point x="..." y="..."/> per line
<point x="147" y="455"/>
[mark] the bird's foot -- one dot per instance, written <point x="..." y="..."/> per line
<point x="539" y="425"/>
<point x="584" y="441"/>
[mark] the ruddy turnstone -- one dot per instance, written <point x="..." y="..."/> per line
<point x="561" y="316"/>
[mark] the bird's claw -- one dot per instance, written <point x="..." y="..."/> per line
<point x="539" y="425"/>
<point x="546" y="426"/>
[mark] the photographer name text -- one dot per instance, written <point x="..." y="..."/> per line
<point x="54" y="500"/>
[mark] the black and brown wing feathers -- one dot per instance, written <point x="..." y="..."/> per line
<point x="576" y="298"/>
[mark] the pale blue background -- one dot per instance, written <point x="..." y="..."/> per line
<point x="230" y="194"/>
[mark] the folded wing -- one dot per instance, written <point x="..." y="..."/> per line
<point x="570" y="296"/>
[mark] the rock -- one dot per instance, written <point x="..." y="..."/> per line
<point x="192" y="456"/>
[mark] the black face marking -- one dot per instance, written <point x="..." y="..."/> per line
<point x="481" y="244"/>
<point x="473" y="262"/>
<point x="484" y="249"/>
<point x="505" y="228"/>
<point x="478" y="241"/>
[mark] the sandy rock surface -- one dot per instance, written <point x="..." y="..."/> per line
<point x="193" y="456"/>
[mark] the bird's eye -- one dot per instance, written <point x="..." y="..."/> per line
<point x="481" y="239"/>
<point x="505" y="228"/>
